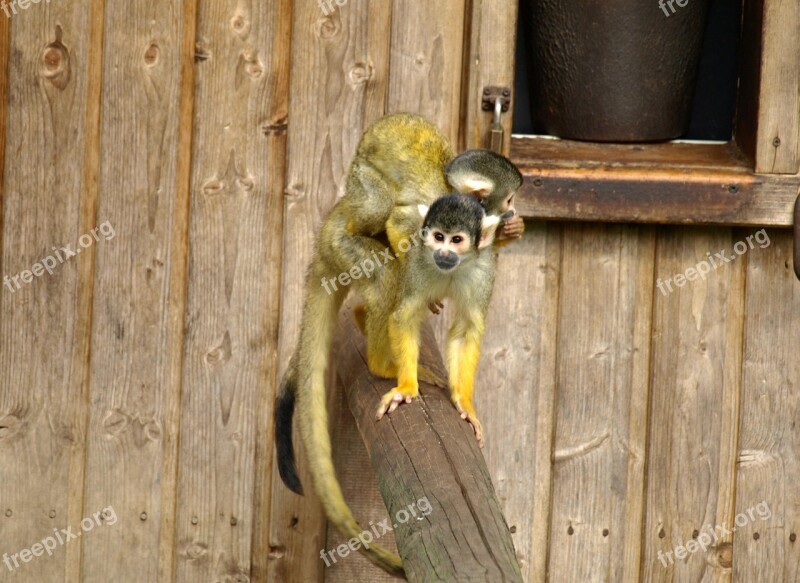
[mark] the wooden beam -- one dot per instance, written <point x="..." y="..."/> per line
<point x="673" y="183"/>
<point x="425" y="451"/>
<point x="777" y="148"/>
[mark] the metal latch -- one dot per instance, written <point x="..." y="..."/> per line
<point x="499" y="100"/>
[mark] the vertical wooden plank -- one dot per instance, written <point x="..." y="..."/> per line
<point x="426" y="61"/>
<point x="765" y="547"/>
<point x="134" y="383"/>
<point x="697" y="342"/>
<point x="4" y="50"/>
<point x="489" y="62"/>
<point x="602" y="394"/>
<point x="516" y="388"/>
<point x="778" y="148"/>
<point x="338" y="87"/>
<point x="232" y="267"/>
<point x="48" y="201"/>
<point x="275" y="129"/>
<point x="426" y="74"/>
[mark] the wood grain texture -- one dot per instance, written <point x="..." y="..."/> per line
<point x="515" y="388"/>
<point x="48" y="201"/>
<point x="697" y="343"/>
<point x="444" y="511"/>
<point x="489" y="61"/>
<point x="340" y="65"/>
<point x="778" y="146"/>
<point x="426" y="61"/>
<point x="605" y="312"/>
<point x="134" y="383"/>
<point x="234" y="254"/>
<point x="765" y="547"/>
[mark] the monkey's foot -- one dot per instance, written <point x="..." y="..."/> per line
<point x="468" y="415"/>
<point x="394" y="398"/>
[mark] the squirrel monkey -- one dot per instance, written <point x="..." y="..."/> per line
<point x="402" y="161"/>
<point x="453" y="263"/>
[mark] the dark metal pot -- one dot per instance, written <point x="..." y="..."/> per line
<point x="614" y="70"/>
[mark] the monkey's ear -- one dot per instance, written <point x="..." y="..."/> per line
<point x="477" y="185"/>
<point x="423" y="210"/>
<point x="489" y="226"/>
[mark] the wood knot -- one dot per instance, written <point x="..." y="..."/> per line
<point x="54" y="64"/>
<point x="213" y="187"/>
<point x="240" y="25"/>
<point x="151" y="55"/>
<point x="196" y="551"/>
<point x="201" y="53"/>
<point x="221" y="353"/>
<point x="249" y="65"/>
<point x="328" y="27"/>
<point x="245" y="184"/>
<point x="724" y="554"/>
<point x="10" y="425"/>
<point x="115" y="422"/>
<point x="276" y="552"/>
<point x="278" y="126"/>
<point x="360" y="73"/>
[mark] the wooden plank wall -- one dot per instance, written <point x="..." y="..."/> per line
<point x="213" y="136"/>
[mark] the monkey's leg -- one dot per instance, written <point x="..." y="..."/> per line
<point x="404" y="328"/>
<point x="463" y="353"/>
<point x="379" y="353"/>
<point x="402" y="230"/>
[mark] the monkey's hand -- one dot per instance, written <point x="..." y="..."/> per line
<point x="513" y="228"/>
<point x="468" y="414"/>
<point x="436" y="307"/>
<point x="394" y="398"/>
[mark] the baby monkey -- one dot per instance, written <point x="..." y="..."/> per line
<point x="455" y="262"/>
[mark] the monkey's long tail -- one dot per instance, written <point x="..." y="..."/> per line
<point x="304" y="385"/>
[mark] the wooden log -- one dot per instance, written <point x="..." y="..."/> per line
<point x="428" y="463"/>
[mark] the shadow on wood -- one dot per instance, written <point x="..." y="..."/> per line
<point x="427" y="459"/>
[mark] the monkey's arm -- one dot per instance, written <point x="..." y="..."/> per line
<point x="463" y="353"/>
<point x="404" y="330"/>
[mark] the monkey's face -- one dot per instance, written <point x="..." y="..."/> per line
<point x="449" y="248"/>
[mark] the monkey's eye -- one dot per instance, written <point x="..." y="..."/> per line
<point x="458" y="239"/>
<point x="438" y="236"/>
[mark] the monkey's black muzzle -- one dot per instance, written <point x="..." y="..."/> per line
<point x="445" y="260"/>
